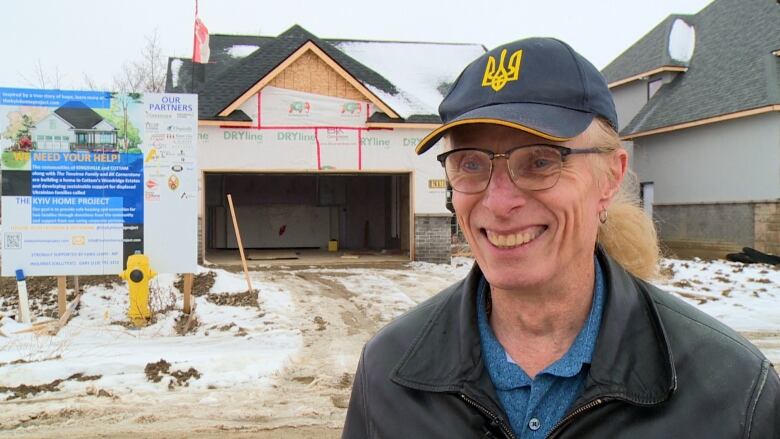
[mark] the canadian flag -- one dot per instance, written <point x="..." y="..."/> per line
<point x="200" y="51"/>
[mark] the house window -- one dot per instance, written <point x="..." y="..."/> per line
<point x="653" y="87"/>
<point x="52" y="124"/>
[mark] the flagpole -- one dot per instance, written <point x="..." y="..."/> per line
<point x="192" y="61"/>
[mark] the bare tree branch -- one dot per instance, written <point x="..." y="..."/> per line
<point x="146" y="74"/>
<point x="90" y="83"/>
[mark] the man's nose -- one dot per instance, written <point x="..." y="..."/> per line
<point x="502" y="196"/>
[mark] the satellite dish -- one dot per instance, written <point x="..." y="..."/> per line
<point x="682" y="40"/>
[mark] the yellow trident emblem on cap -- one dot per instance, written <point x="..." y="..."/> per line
<point x="497" y="78"/>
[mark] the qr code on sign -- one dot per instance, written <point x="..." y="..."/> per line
<point x="13" y="240"/>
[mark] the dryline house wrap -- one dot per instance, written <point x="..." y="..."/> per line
<point x="315" y="141"/>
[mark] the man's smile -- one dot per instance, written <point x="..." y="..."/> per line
<point x="513" y="239"/>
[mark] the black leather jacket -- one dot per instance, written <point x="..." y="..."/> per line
<point x="661" y="369"/>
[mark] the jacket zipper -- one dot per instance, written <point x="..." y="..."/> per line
<point x="555" y="430"/>
<point x="492" y="416"/>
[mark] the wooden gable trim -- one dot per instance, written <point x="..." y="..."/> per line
<point x="400" y="125"/>
<point x="647" y="74"/>
<point x="695" y="123"/>
<point x="219" y="123"/>
<point x="309" y="46"/>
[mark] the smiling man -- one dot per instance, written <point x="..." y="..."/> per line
<point x="555" y="332"/>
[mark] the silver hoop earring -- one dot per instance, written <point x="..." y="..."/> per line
<point x="603" y="216"/>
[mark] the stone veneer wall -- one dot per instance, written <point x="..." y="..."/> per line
<point x="432" y="238"/>
<point x="767" y="227"/>
<point x="712" y="230"/>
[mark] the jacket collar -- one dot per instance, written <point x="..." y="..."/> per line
<point x="632" y="360"/>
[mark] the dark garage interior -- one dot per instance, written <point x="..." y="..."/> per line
<point x="284" y="211"/>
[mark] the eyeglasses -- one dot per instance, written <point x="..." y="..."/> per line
<point x="531" y="167"/>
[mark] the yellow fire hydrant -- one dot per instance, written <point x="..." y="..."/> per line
<point x="137" y="275"/>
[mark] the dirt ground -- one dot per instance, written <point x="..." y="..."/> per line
<point x="307" y="399"/>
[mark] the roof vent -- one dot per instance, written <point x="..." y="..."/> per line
<point x="682" y="40"/>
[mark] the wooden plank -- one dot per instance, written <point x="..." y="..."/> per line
<point x="190" y="319"/>
<point x="271" y="255"/>
<point x="647" y="74"/>
<point x="65" y="317"/>
<point x="238" y="239"/>
<point x="217" y="123"/>
<point x="187" y="293"/>
<point x="62" y="301"/>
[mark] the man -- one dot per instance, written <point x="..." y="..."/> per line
<point x="554" y="333"/>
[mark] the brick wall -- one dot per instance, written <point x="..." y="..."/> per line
<point x="432" y="238"/>
<point x="767" y="227"/>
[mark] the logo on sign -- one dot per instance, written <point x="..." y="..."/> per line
<point x="300" y="107"/>
<point x="173" y="182"/>
<point x="351" y="108"/>
<point x="151" y="184"/>
<point x="336" y="135"/>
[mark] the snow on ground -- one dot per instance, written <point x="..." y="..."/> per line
<point x="93" y="343"/>
<point x="745" y="297"/>
<point x="286" y="361"/>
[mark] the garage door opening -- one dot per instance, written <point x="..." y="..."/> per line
<point x="290" y="215"/>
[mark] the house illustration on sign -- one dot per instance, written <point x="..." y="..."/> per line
<point x="74" y="127"/>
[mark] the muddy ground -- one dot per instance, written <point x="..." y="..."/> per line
<point x="308" y="398"/>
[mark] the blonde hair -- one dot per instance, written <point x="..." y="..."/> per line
<point x="628" y="235"/>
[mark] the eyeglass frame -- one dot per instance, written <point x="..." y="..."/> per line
<point x="565" y="151"/>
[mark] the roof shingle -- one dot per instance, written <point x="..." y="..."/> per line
<point x="732" y="68"/>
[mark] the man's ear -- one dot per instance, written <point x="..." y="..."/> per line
<point x="617" y="165"/>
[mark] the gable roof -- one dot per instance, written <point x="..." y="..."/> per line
<point x="381" y="68"/>
<point x="78" y="115"/>
<point x="646" y="55"/>
<point x="732" y="69"/>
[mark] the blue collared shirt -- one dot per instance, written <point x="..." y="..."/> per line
<point x="535" y="405"/>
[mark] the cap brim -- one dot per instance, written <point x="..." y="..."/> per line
<point x="549" y="122"/>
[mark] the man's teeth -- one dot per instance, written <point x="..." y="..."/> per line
<point x="512" y="240"/>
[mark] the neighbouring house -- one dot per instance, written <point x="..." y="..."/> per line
<point x="698" y="101"/>
<point x="74" y="127"/>
<point x="314" y="140"/>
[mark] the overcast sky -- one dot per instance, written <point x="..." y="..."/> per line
<point x="95" y="37"/>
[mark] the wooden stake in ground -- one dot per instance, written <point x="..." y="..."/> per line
<point x="188" y="293"/>
<point x="238" y="239"/>
<point x="65" y="317"/>
<point x="62" y="301"/>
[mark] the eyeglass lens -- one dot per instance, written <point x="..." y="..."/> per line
<point x="531" y="168"/>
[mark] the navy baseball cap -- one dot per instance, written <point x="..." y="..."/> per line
<point x="538" y="85"/>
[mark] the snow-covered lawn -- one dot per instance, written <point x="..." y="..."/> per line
<point x="285" y="361"/>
